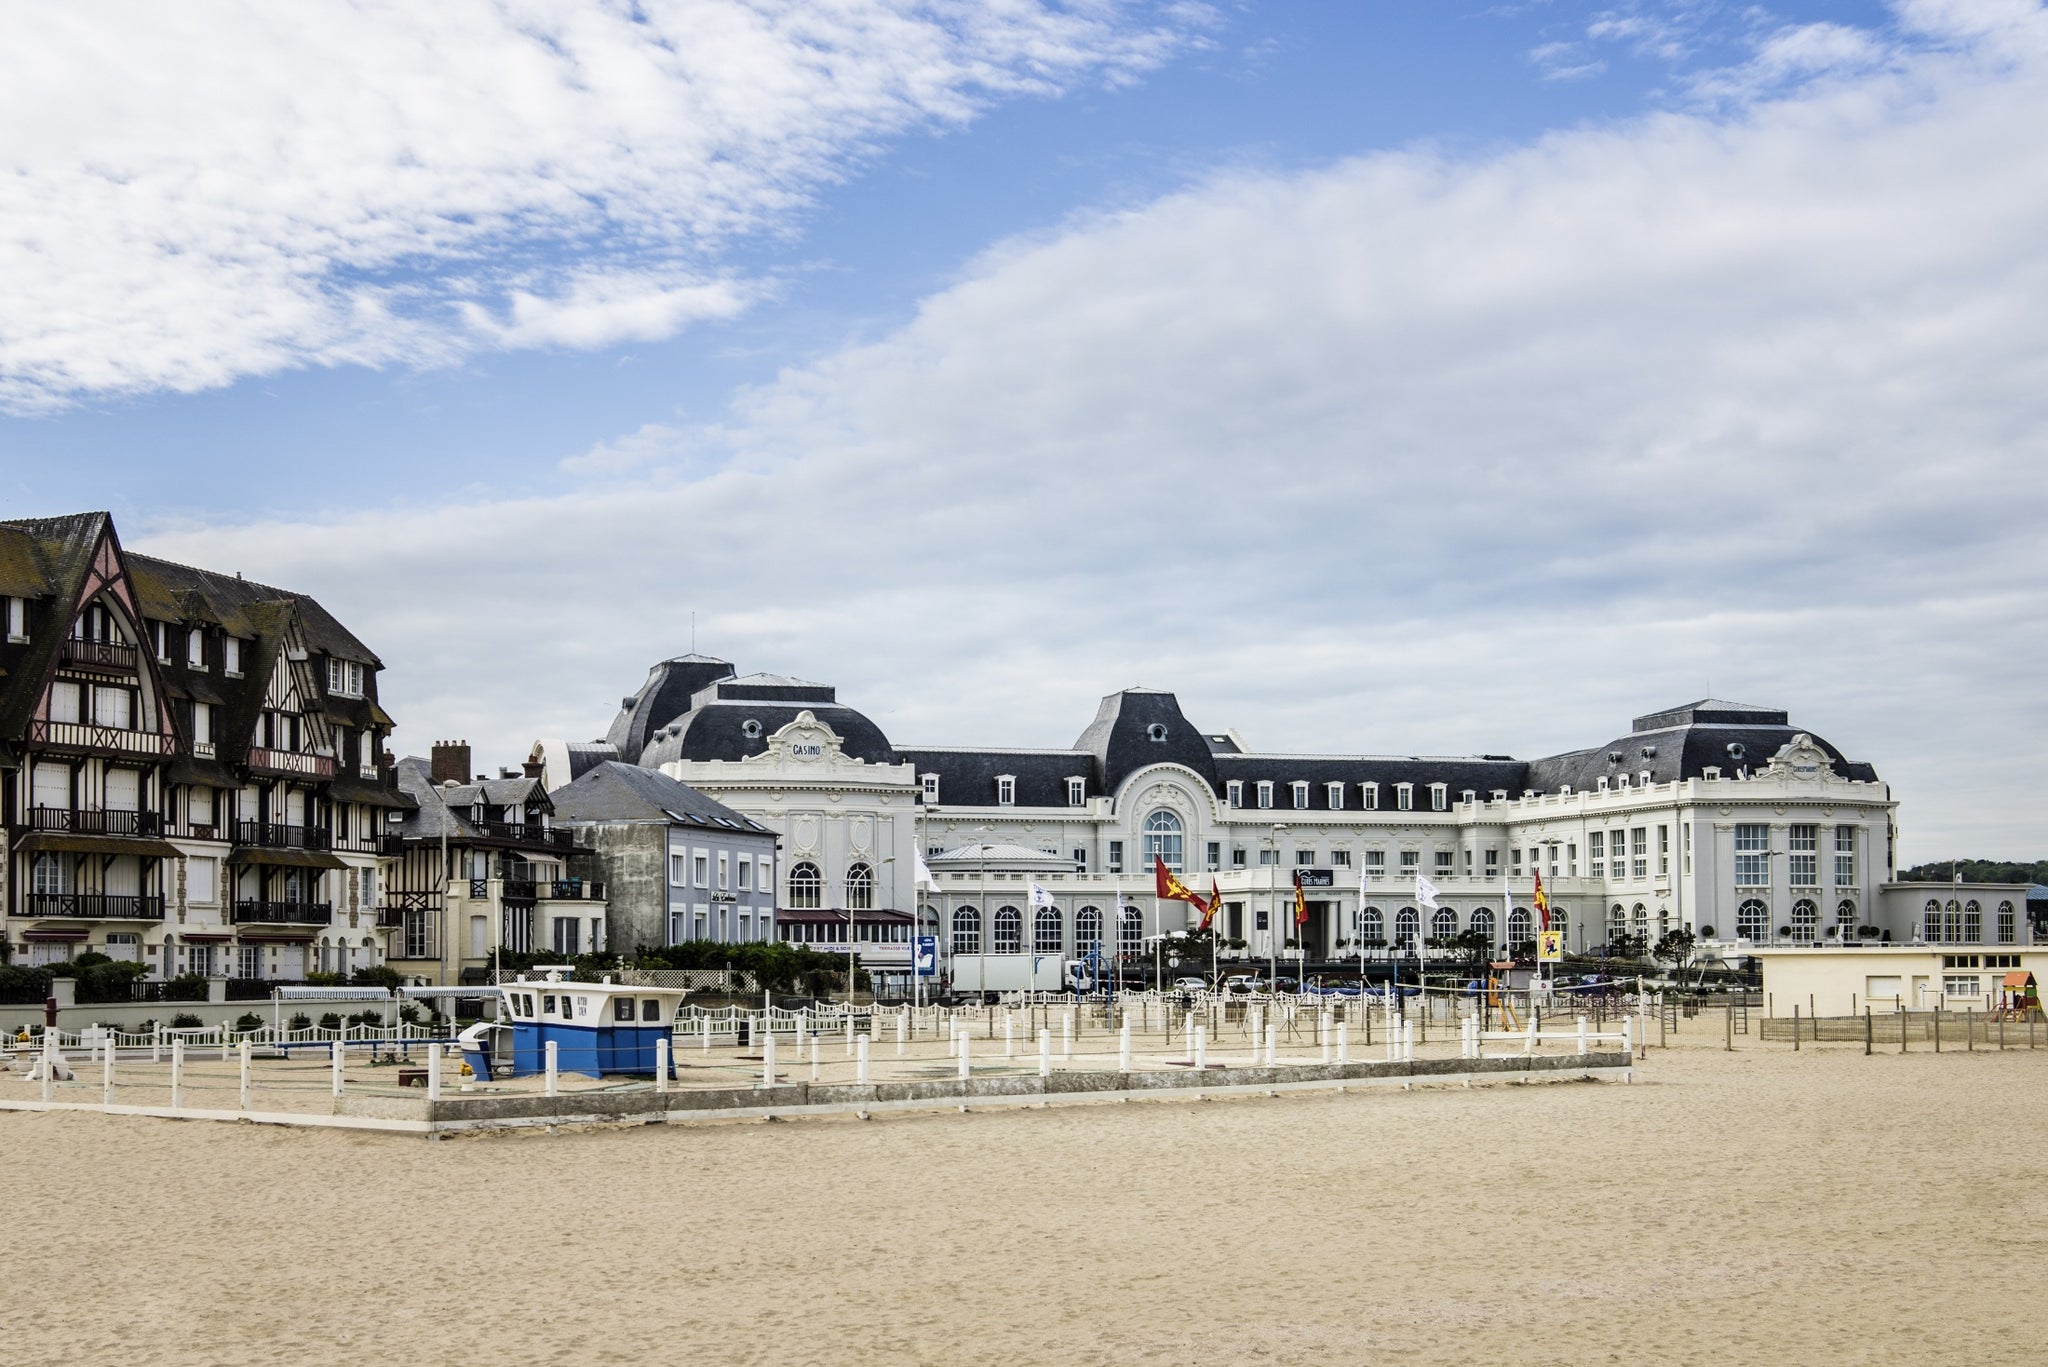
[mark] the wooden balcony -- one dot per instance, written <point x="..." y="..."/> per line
<point x="282" y="913"/>
<point x="290" y="762"/>
<point x="271" y="835"/>
<point x="111" y="656"/>
<point x="70" y="735"/>
<point x="541" y="837"/>
<point x="81" y="821"/>
<point x="95" y="906"/>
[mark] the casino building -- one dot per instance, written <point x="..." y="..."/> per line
<point x="1721" y="818"/>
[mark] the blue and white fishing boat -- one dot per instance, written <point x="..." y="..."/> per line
<point x="601" y="1029"/>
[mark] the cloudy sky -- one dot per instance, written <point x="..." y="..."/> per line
<point x="1380" y="375"/>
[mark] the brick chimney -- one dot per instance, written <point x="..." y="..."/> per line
<point x="450" y="762"/>
<point x="532" y="768"/>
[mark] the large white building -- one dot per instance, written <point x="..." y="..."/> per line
<point x="1724" y="819"/>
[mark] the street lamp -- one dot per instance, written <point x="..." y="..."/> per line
<point x="1273" y="908"/>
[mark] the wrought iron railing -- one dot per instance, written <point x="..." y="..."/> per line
<point x="277" y="836"/>
<point x="283" y="913"/>
<point x="83" y="821"/>
<point x="528" y="834"/>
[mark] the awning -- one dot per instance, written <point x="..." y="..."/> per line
<point x="96" y="844"/>
<point x="254" y="935"/>
<point x="204" y="938"/>
<point x="298" y="859"/>
<point x="785" y="916"/>
<point x="54" y="934"/>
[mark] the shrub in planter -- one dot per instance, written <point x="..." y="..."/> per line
<point x="300" y="1021"/>
<point x="185" y="1020"/>
<point x="409" y="1014"/>
<point x="372" y="1019"/>
<point x="248" y="1020"/>
<point x="330" y="1021"/>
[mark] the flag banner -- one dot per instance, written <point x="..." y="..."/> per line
<point x="1214" y="905"/>
<point x="925" y="880"/>
<point x="1507" y="900"/>
<point x="1300" y="903"/>
<point x="1167" y="887"/>
<point x="1542" y="901"/>
<point x="1040" y="897"/>
<point x="1425" y="892"/>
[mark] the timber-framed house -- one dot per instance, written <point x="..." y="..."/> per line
<point x="192" y="770"/>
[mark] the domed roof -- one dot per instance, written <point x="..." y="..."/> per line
<point x="732" y="719"/>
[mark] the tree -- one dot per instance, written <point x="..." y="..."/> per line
<point x="1675" y="948"/>
<point x="1623" y="945"/>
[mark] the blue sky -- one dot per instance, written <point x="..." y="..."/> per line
<point x="1382" y="376"/>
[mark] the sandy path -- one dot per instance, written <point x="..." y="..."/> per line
<point x="1763" y="1206"/>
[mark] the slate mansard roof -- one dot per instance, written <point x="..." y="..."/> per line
<point x="625" y="792"/>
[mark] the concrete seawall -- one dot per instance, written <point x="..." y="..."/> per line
<point x="796" y="1099"/>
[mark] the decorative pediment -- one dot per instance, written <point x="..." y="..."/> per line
<point x="1801" y="760"/>
<point x="806" y="743"/>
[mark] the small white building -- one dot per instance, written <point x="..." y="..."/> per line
<point x="1836" y="980"/>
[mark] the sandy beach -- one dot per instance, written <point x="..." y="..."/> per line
<point x="1760" y="1206"/>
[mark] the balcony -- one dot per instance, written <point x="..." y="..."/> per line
<point x="95" y="906"/>
<point x="112" y="656"/>
<point x="270" y="835"/>
<point x="71" y="735"/>
<point x="78" y="821"/>
<point x="290" y="762"/>
<point x="282" y="913"/>
<point x="528" y="834"/>
<point x="390" y="918"/>
<point x="556" y="889"/>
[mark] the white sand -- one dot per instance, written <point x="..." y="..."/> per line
<point x="1764" y="1206"/>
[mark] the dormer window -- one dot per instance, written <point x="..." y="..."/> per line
<point x="930" y="783"/>
<point x="1077" y="791"/>
<point x="1500" y="795"/>
<point x="1468" y="797"/>
<point x="195" y="648"/>
<point x="1300" y="797"/>
<point x="1265" y="793"/>
<point x="1335" y="792"/>
<point x="17" y="619"/>
<point x="160" y="636"/>
<point x="1155" y="732"/>
<point x="1006" y="790"/>
<point x="1439" y="797"/>
<point x="751" y="728"/>
<point x="1404" y="796"/>
<point x="1643" y="778"/>
<point x="1369" y="794"/>
<point x="231" y="656"/>
<point x="344" y="678"/>
<point x="1233" y="793"/>
<point x="1603" y="783"/>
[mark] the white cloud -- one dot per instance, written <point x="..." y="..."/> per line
<point x="195" y="192"/>
<point x="1406" y="453"/>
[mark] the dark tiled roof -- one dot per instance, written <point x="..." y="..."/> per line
<point x="1142" y="726"/>
<point x="719" y="731"/>
<point x="666" y="695"/>
<point x="624" y="792"/>
<point x="1680" y="752"/>
<point x="968" y="777"/>
<point x="167" y="589"/>
<point x="1481" y="775"/>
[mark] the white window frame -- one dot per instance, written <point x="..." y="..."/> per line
<point x="1369" y="794"/>
<point x="1265" y="794"/>
<point x="1439" y="797"/>
<point x="195" y="648"/>
<point x="17" y="619"/>
<point x="1404" y="797"/>
<point x="1335" y="792"/>
<point x="1233" y="793"/>
<point x="1077" y="791"/>
<point x="1300" y="787"/>
<point x="1006" y="790"/>
<point x="231" y="656"/>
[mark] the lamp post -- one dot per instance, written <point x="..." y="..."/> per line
<point x="1273" y="908"/>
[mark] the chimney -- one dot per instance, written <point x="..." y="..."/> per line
<point x="532" y="768"/>
<point x="450" y="762"/>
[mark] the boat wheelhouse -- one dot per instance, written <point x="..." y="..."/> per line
<point x="598" y="1028"/>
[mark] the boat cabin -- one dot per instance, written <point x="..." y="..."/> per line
<point x="600" y="1029"/>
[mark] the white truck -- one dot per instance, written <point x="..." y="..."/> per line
<point x="977" y="973"/>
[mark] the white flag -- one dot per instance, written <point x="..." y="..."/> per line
<point x="1507" y="901"/>
<point x="925" y="881"/>
<point x="1040" y="897"/>
<point x="1425" y="892"/>
<point x="1361" y="888"/>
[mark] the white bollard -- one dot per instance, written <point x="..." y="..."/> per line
<point x="860" y="1060"/>
<point x="49" y="1066"/>
<point x="1273" y="1045"/>
<point x="1201" y="1049"/>
<point x="1343" y="1041"/>
<point x="107" y="1074"/>
<point x="1123" y="1046"/>
<point x="705" y="1022"/>
<point x="902" y="1030"/>
<point x="1628" y="1042"/>
<point x="156" y="1046"/>
<point x="223" y="1041"/>
<point x="177" y="1076"/>
<point x="814" y="1065"/>
<point x="1009" y="1034"/>
<point x="244" y="1052"/>
<point x="1045" y="1053"/>
<point x="434" y="1069"/>
<point x="334" y="1066"/>
<point x="1323" y="1039"/>
<point x="768" y="1059"/>
<point x="849" y="1035"/>
<point x="1067" y="1034"/>
<point x="966" y="1068"/>
<point x="1584" y="1046"/>
<point x="554" y="1065"/>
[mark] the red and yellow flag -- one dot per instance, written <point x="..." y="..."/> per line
<point x="1542" y="901"/>
<point x="1169" y="888"/>
<point x="1300" y="902"/>
<point x="1212" y="906"/>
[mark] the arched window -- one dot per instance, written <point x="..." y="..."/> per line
<point x="1518" y="927"/>
<point x="1805" y="920"/>
<point x="1045" y="931"/>
<point x="1752" y="919"/>
<point x="2008" y="925"/>
<point x="1560" y="920"/>
<point x="1930" y="922"/>
<point x="1009" y="931"/>
<point x="1372" y="927"/>
<point x="1444" y="924"/>
<point x="1407" y="925"/>
<point x="1617" y="922"/>
<point x="1845" y="917"/>
<point x="1482" y="921"/>
<point x="1087" y="929"/>
<point x="806" y="887"/>
<point x="966" y="930"/>
<point x="1952" y="923"/>
<point x="1130" y="932"/>
<point x="1639" y="921"/>
<point x="860" y="888"/>
<point x="1163" y="839"/>
<point x="1973" y="923"/>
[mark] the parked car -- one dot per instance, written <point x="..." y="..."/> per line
<point x="1190" y="984"/>
<point x="1241" y="982"/>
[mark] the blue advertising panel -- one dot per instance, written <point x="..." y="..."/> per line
<point x="927" y="956"/>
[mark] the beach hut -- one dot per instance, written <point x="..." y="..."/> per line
<point x="599" y="1029"/>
